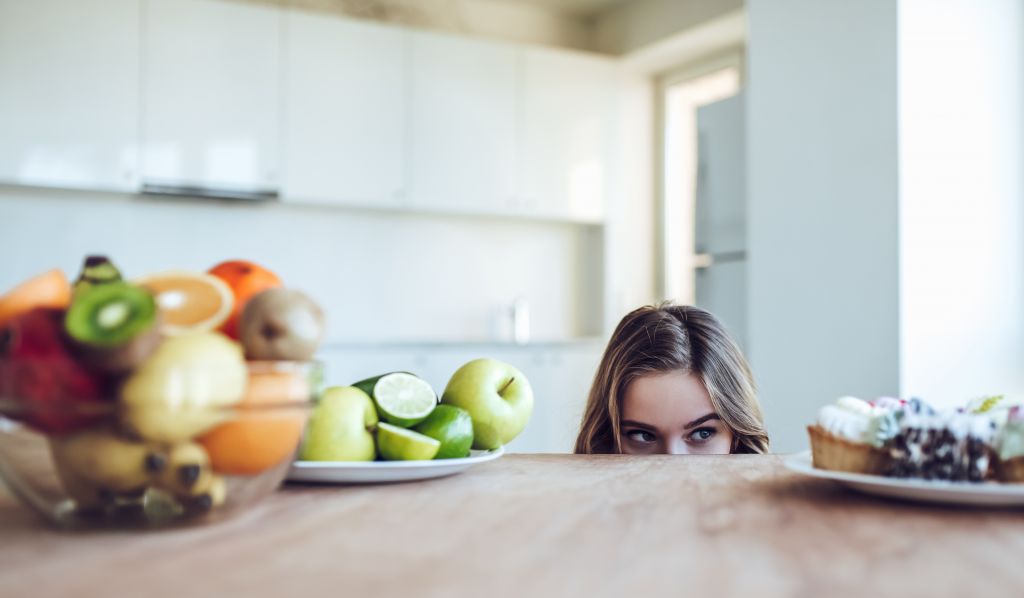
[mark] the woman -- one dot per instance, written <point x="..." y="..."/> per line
<point x="672" y="381"/>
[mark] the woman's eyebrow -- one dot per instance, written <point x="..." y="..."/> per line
<point x="701" y="420"/>
<point x="636" y="424"/>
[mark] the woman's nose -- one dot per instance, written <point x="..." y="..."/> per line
<point x="676" y="446"/>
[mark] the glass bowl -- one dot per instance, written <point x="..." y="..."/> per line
<point x="156" y="462"/>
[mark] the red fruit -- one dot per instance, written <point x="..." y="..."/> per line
<point x="48" y="387"/>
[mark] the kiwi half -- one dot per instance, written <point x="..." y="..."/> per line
<point x="113" y="325"/>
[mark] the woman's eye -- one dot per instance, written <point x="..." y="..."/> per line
<point x="702" y="434"/>
<point x="640" y="436"/>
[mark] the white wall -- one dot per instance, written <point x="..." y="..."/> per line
<point x="822" y="167"/>
<point x="630" y="250"/>
<point x="962" y="198"/>
<point x="380" y="276"/>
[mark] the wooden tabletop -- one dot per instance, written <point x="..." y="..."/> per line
<point x="544" y="525"/>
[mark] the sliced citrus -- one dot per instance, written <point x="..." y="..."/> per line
<point x="400" y="444"/>
<point x="403" y="399"/>
<point x="453" y="427"/>
<point x="189" y="301"/>
<point x="49" y="289"/>
<point x="246" y="280"/>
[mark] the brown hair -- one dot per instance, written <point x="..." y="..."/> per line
<point x="664" y="338"/>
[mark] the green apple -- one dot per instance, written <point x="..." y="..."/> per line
<point x="498" y="398"/>
<point x="341" y="427"/>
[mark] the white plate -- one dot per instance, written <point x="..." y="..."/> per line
<point x="375" y="472"/>
<point x="959" y="493"/>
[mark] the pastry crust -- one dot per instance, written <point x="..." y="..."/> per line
<point x="1010" y="470"/>
<point x="838" y="454"/>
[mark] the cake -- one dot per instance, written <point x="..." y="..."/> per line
<point x="850" y="435"/>
<point x="1009" y="467"/>
<point x="952" y="445"/>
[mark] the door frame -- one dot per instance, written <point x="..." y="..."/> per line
<point x="731" y="57"/>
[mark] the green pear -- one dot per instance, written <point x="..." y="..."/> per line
<point x="341" y="427"/>
<point x="497" y="396"/>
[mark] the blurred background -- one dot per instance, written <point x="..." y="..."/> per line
<point x="842" y="183"/>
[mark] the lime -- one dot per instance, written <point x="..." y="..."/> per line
<point x="451" y="425"/>
<point x="400" y="444"/>
<point x="402" y="398"/>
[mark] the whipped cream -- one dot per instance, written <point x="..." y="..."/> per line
<point x="1011" y="437"/>
<point x="857" y="420"/>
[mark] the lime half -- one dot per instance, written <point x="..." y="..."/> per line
<point x="403" y="399"/>
<point x="400" y="444"/>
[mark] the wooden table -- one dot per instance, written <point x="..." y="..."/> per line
<point x="544" y="525"/>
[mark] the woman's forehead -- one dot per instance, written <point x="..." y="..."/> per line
<point x="669" y="398"/>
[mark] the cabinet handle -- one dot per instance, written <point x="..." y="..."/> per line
<point x="173" y="190"/>
<point x="703" y="261"/>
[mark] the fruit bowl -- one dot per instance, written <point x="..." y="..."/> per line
<point x="133" y="464"/>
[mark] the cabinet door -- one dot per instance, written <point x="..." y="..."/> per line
<point x="211" y="94"/>
<point x="568" y="102"/>
<point x="69" y="105"/>
<point x="463" y="123"/>
<point x="345" y="111"/>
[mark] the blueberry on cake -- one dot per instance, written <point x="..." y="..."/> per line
<point x="941" y="445"/>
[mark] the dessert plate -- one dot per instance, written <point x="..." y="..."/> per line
<point x="377" y="472"/>
<point x="953" y="493"/>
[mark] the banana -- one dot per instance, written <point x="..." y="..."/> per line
<point x="88" y="497"/>
<point x="107" y="462"/>
<point x="188" y="471"/>
<point x="189" y="477"/>
<point x="218" y="491"/>
<point x="214" y="495"/>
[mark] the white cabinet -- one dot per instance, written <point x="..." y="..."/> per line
<point x="69" y="93"/>
<point x="568" y="106"/>
<point x="345" y="111"/>
<point x="212" y="82"/>
<point x="250" y="98"/>
<point x="463" y="118"/>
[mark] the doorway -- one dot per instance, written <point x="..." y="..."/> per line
<point x="702" y="181"/>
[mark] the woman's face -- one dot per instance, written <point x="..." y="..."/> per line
<point x="671" y="414"/>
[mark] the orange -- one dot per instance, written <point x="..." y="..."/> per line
<point x="49" y="289"/>
<point x="189" y="301"/>
<point x="256" y="439"/>
<point x="245" y="279"/>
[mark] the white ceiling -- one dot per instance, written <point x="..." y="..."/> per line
<point x="576" y="7"/>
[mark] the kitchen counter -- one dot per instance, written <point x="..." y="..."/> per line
<point x="544" y="525"/>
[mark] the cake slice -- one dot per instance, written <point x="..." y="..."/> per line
<point x="951" y="445"/>
<point x="850" y="435"/>
<point x="1009" y="467"/>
